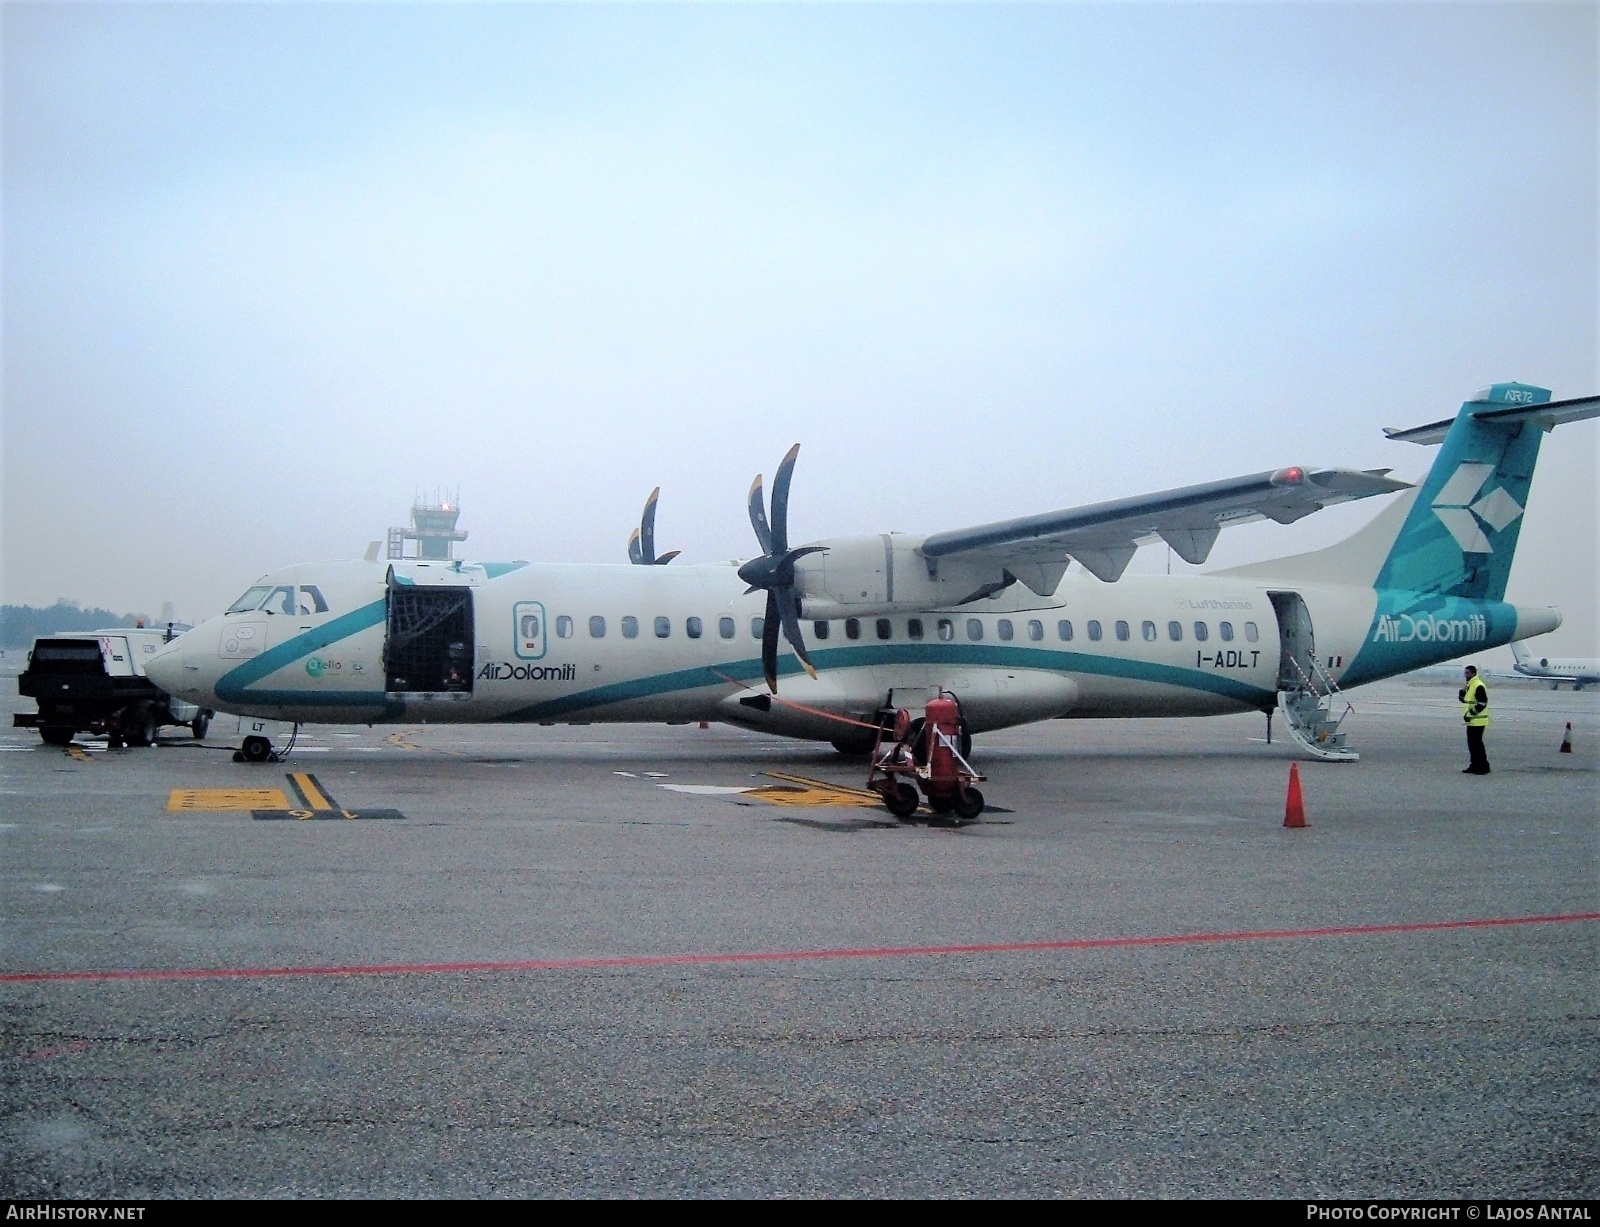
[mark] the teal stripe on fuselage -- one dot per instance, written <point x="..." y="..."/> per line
<point x="231" y="685"/>
<point x="867" y="656"/>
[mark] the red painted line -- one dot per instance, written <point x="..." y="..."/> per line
<point x="785" y="956"/>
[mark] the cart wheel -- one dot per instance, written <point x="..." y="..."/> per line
<point x="969" y="805"/>
<point x="905" y="801"/>
<point x="113" y="743"/>
<point x="139" y="725"/>
<point x="256" y="749"/>
<point x="56" y="737"/>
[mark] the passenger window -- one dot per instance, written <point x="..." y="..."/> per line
<point x="597" y="627"/>
<point x="1064" y="631"/>
<point x="1035" y="629"/>
<point x="1201" y="633"/>
<point x="946" y="630"/>
<point x="820" y="629"/>
<point x="1148" y="630"/>
<point x="1175" y="631"/>
<point x="564" y="627"/>
<point x="758" y="627"/>
<point x="1225" y="629"/>
<point x="725" y="627"/>
<point x="1094" y="630"/>
<point x="251" y="600"/>
<point x="530" y="626"/>
<point x="630" y="627"/>
<point x="316" y="604"/>
<point x="663" y="627"/>
<point x="1122" y="631"/>
<point x="692" y="627"/>
<point x="913" y="628"/>
<point x="974" y="629"/>
<point x="852" y="628"/>
<point x="884" y="628"/>
<point x="1250" y="632"/>
<point x="1003" y="629"/>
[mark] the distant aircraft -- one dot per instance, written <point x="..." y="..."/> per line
<point x="1580" y="671"/>
<point x="856" y="627"/>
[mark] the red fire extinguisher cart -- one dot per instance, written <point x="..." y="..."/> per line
<point x="926" y="754"/>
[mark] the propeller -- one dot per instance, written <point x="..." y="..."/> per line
<point x="774" y="570"/>
<point x="642" y="541"/>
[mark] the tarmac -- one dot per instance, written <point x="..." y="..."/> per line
<point x="651" y="961"/>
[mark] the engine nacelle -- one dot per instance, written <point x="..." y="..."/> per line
<point x="858" y="577"/>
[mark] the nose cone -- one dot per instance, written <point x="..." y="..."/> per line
<point x="165" y="668"/>
<point x="181" y="667"/>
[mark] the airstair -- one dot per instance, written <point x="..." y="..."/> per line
<point x="1308" y="706"/>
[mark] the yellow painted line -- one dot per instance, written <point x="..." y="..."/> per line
<point x="188" y="800"/>
<point x="399" y="739"/>
<point x="78" y="752"/>
<point x="781" y="795"/>
<point x="307" y="784"/>
<point x="842" y="789"/>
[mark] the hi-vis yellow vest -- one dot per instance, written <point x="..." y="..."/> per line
<point x="1475" y="702"/>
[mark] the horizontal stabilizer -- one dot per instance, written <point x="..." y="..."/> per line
<point x="1546" y="417"/>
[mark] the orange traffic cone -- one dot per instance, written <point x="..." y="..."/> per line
<point x="1294" y="809"/>
<point x="1566" y="739"/>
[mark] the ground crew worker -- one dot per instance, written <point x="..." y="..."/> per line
<point x="1474" y="698"/>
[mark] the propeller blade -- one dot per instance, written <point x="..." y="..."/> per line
<point x="758" y="516"/>
<point x="769" y="642"/>
<point x="635" y="555"/>
<point x="789" y="607"/>
<point x="647" y="529"/>
<point x="780" y="501"/>
<point x="667" y="557"/>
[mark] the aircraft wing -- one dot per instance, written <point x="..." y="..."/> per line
<point x="1103" y="536"/>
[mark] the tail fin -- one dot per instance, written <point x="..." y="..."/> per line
<point x="1523" y="656"/>
<point x="1455" y="534"/>
<point x="1461" y="533"/>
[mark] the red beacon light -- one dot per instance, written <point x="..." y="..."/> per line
<point x="1291" y="476"/>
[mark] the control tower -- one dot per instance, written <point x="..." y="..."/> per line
<point x="433" y="528"/>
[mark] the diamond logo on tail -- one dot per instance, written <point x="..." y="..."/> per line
<point x="1463" y="518"/>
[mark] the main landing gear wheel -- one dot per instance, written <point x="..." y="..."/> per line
<point x="904" y="802"/>
<point x="256" y="750"/>
<point x="969" y="805"/>
<point x="199" y="725"/>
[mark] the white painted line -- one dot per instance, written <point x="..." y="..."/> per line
<point x="627" y="774"/>
<point x="706" y="790"/>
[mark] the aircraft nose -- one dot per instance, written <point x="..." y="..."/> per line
<point x="165" y="668"/>
<point x="179" y="667"/>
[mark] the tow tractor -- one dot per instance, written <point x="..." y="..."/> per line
<point x="925" y="753"/>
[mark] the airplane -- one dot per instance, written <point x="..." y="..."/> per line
<point x="823" y="641"/>
<point x="1580" y="671"/>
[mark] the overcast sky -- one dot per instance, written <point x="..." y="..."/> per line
<point x="270" y="270"/>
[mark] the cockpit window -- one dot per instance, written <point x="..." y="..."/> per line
<point x="311" y="600"/>
<point x="281" y="600"/>
<point x="250" y="600"/>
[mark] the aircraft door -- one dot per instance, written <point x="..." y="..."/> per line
<point x="429" y="644"/>
<point x="1296" y="643"/>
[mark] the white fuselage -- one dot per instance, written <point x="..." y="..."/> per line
<point x="551" y="644"/>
